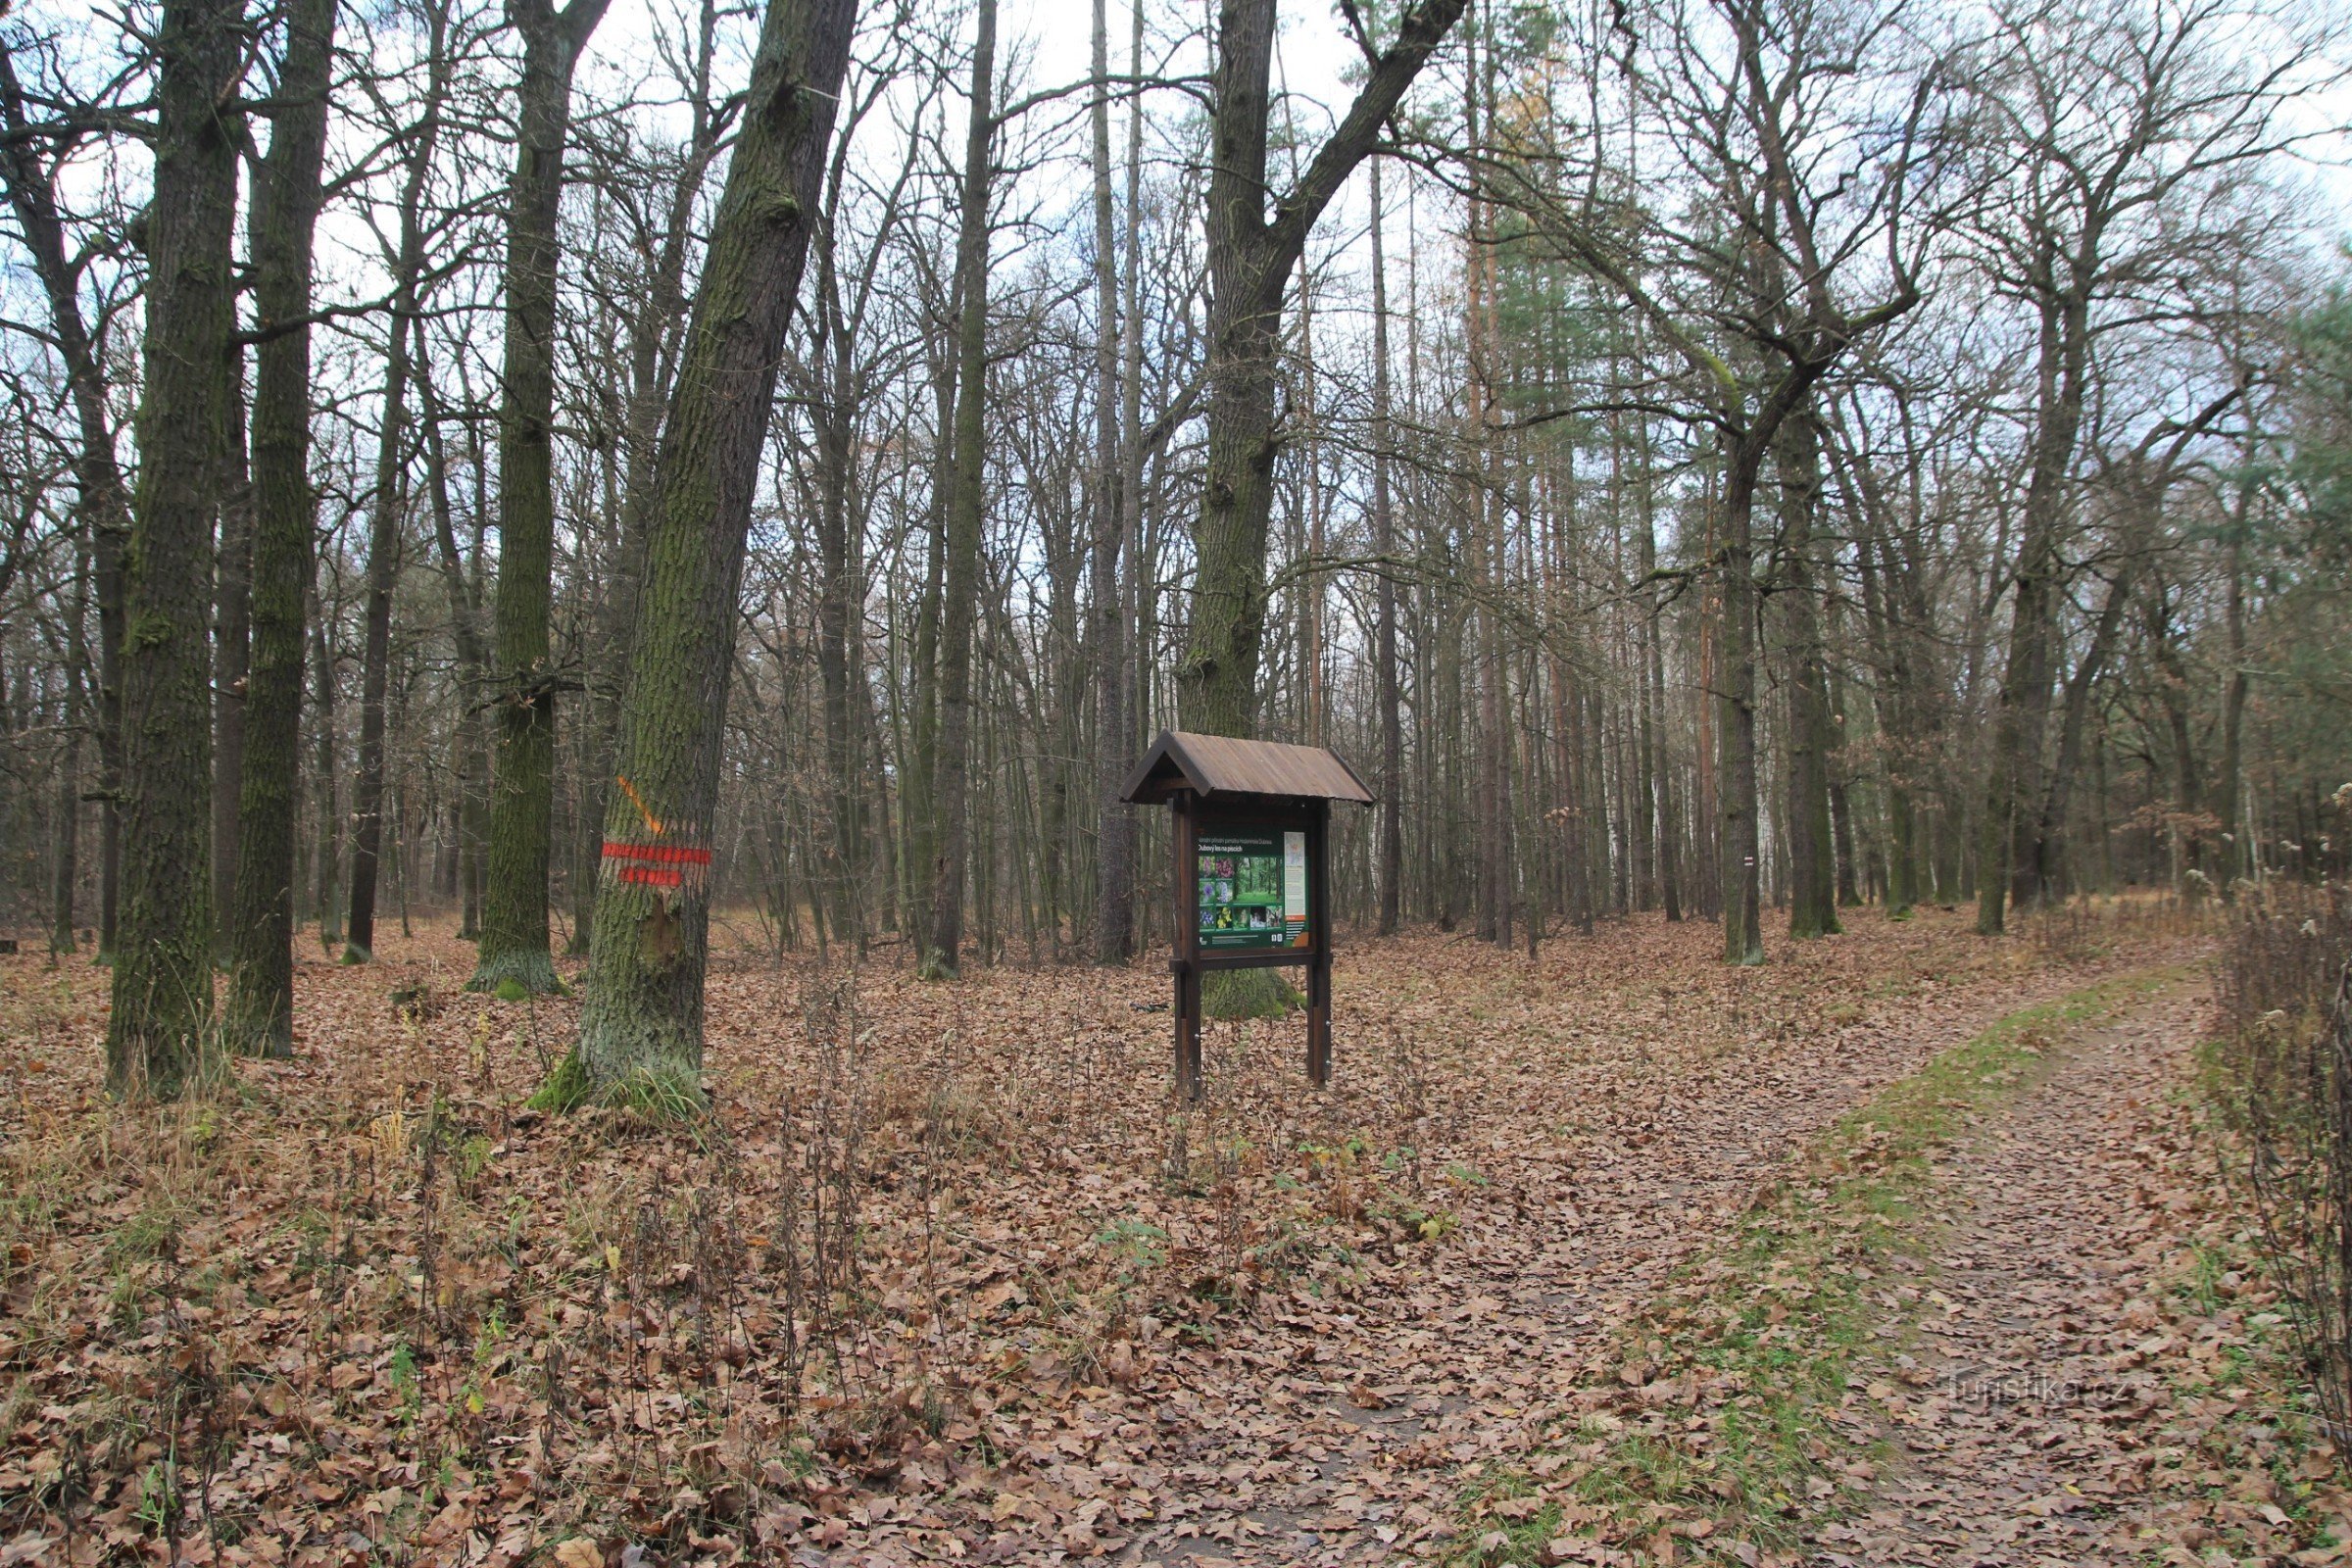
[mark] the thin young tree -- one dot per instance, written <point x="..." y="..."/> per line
<point x="387" y="497"/>
<point x="960" y="588"/>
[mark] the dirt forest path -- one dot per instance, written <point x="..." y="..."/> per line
<point x="2022" y="1443"/>
<point x="1343" y="1437"/>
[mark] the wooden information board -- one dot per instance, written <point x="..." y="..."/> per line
<point x="1251" y="828"/>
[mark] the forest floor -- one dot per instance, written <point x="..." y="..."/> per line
<point x="1902" y="1246"/>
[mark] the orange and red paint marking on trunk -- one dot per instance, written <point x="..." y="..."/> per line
<point x="672" y="864"/>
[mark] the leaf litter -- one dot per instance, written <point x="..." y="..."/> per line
<point x="947" y="1276"/>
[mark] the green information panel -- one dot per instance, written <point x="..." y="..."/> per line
<point x="1252" y="889"/>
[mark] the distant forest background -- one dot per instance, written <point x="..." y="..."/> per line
<point x="1800" y="453"/>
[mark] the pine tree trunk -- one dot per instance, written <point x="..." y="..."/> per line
<point x="158" y="1034"/>
<point x="260" y="989"/>
<point x="514" y="942"/>
<point x="959" y="591"/>
<point x="641" y="1024"/>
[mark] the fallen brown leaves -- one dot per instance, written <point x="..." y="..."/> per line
<point x="948" y="1277"/>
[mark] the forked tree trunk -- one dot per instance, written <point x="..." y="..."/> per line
<point x="959" y="591"/>
<point x="640" y="1026"/>
<point x="1251" y="259"/>
<point x="2021" y="715"/>
<point x="514" y="946"/>
<point x="163" y="981"/>
<point x="260" y="989"/>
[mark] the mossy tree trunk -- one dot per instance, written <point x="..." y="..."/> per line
<point x="524" y="679"/>
<point x="160" y="1029"/>
<point x="641" y="1025"/>
<point x="260" y="989"/>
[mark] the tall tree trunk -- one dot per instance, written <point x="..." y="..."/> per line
<point x="1114" y="833"/>
<point x="1251" y="259"/>
<point x="102" y="502"/>
<point x="260" y="989"/>
<point x="232" y="633"/>
<point x="1812" y="865"/>
<point x="653" y="340"/>
<point x="1738" y="847"/>
<point x="330" y="850"/>
<point x="2021" y="712"/>
<point x="959" y="591"/>
<point x="1389" y="863"/>
<point x="514" y="946"/>
<point x="62" y="937"/>
<point x="641" y="1025"/>
<point x="163" y="980"/>
<point x="460" y="585"/>
<point x="387" y="502"/>
<point x="1653" y="707"/>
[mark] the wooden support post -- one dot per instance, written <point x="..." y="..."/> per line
<point x="1186" y="947"/>
<point x="1318" y="967"/>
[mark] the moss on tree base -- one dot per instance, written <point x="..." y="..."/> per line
<point x="655" y="1096"/>
<point x="514" y="976"/>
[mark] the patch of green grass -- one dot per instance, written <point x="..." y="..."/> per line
<point x="662" y="1097"/>
<point x="1731" y="1383"/>
<point x="1512" y="1520"/>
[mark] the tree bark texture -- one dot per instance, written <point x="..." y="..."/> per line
<point x="158" y="1034"/>
<point x="1738" y="852"/>
<point x="260" y="989"/>
<point x="642" y="1020"/>
<point x="1812" y="865"/>
<point x="2021" y="712"/>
